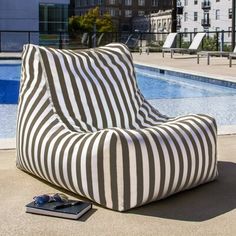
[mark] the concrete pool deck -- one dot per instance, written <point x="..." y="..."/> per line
<point x="10" y="55"/>
<point x="207" y="210"/>
<point x="219" y="67"/>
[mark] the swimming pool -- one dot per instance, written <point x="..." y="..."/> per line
<point x="175" y="96"/>
<point x="9" y="81"/>
<point x="156" y="85"/>
<point x="171" y="95"/>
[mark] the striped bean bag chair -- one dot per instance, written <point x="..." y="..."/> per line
<point x="84" y="125"/>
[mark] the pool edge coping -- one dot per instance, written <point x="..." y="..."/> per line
<point x="7" y="143"/>
<point x="189" y="72"/>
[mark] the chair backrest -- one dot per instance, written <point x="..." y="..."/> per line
<point x="169" y="40"/>
<point x="133" y="41"/>
<point x="197" y="41"/>
<point x="234" y="49"/>
<point x="100" y="39"/>
<point x="142" y="42"/>
<point x="93" y="89"/>
<point x="84" y="39"/>
<point x="129" y="37"/>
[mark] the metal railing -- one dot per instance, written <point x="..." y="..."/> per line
<point x="206" y="5"/>
<point x="13" y="41"/>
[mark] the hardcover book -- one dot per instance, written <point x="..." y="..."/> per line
<point x="70" y="210"/>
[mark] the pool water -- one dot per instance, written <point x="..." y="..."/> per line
<point x="9" y="83"/>
<point x="158" y="86"/>
<point x="10" y="71"/>
<point x="8" y="115"/>
<point x="171" y="95"/>
<point x="176" y="96"/>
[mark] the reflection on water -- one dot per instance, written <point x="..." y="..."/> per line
<point x="8" y="121"/>
<point x="222" y="108"/>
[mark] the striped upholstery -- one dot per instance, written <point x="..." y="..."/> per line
<point x="84" y="125"/>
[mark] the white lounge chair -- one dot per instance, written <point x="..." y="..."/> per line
<point x="192" y="48"/>
<point x="143" y="47"/>
<point x="231" y="56"/>
<point x="209" y="54"/>
<point x="132" y="41"/>
<point x="85" y="38"/>
<point x="170" y="39"/>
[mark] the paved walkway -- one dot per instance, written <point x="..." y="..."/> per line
<point x="219" y="67"/>
<point x="10" y="55"/>
<point x="207" y="210"/>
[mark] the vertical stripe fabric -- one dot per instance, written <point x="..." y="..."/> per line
<point x="84" y="125"/>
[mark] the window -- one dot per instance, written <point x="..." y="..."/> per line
<point x="141" y="2"/>
<point x="185" y="16"/>
<point x="112" y="12"/>
<point x="153" y="27"/>
<point x="217" y="14"/>
<point x="195" y="2"/>
<point x="217" y="28"/>
<point x="195" y="30"/>
<point x="53" y="17"/>
<point x="230" y="30"/>
<point x="128" y="13"/>
<point x="206" y="19"/>
<point x="230" y="13"/>
<point x="141" y="13"/>
<point x="128" y="2"/>
<point x="185" y="2"/>
<point x="112" y="2"/>
<point x="100" y="2"/>
<point x="164" y="27"/>
<point x="195" y="16"/>
<point x="155" y="3"/>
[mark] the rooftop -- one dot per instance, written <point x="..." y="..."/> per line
<point x="206" y="210"/>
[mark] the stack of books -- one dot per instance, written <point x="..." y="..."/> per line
<point x="71" y="209"/>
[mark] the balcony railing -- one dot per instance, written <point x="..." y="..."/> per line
<point x="178" y="24"/>
<point x="206" y="23"/>
<point x="206" y="5"/>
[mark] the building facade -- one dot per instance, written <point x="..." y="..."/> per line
<point x="158" y="23"/>
<point x="206" y="15"/>
<point x="161" y="21"/>
<point x="141" y="23"/>
<point x="122" y="11"/>
<point x="33" y="15"/>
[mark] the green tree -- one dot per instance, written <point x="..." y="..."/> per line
<point x="75" y="24"/>
<point x="88" y="21"/>
<point x="91" y="20"/>
<point x="209" y="43"/>
<point x="104" y="23"/>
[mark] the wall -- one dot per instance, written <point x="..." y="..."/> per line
<point x="15" y="16"/>
<point x="20" y="15"/>
<point x="222" y="24"/>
